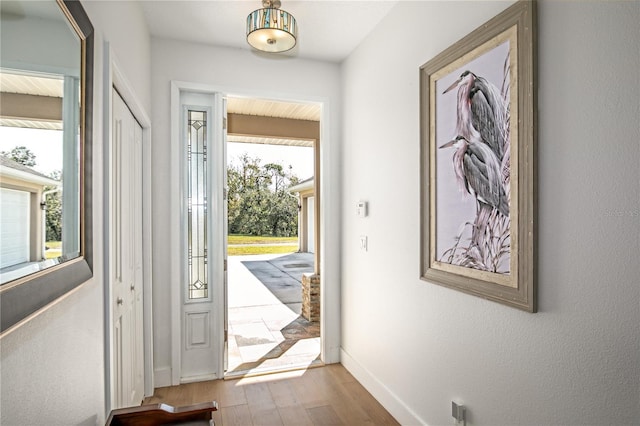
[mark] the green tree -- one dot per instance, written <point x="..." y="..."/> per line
<point x="258" y="200"/>
<point x="22" y="155"/>
<point x="282" y="209"/>
<point x="53" y="203"/>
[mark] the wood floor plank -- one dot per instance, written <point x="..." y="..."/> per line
<point x="230" y="393"/>
<point x="259" y="396"/>
<point x="172" y="395"/>
<point x="295" y="415"/>
<point x="340" y="374"/>
<point x="346" y="408"/>
<point x="282" y="393"/>
<point x="324" y="416"/>
<point x="265" y="417"/>
<point x="306" y="394"/>
<point x="205" y="391"/>
<point x="343" y="399"/>
<point x="363" y="399"/>
<point x="261" y="405"/>
<point x="155" y="399"/>
<point x="236" y="415"/>
<point x="218" y="420"/>
<point x="340" y="399"/>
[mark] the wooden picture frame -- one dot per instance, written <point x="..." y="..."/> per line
<point x="478" y="136"/>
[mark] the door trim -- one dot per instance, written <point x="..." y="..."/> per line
<point x="114" y="77"/>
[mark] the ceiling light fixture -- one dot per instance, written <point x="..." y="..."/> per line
<point x="270" y="29"/>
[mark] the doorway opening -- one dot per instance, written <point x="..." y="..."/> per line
<point x="273" y="246"/>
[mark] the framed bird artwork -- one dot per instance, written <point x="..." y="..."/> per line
<point x="478" y="194"/>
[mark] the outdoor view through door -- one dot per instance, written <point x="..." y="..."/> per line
<point x="273" y="282"/>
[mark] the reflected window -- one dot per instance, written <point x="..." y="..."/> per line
<point x="30" y="200"/>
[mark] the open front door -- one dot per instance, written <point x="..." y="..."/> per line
<point x="203" y="236"/>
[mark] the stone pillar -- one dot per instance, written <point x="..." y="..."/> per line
<point x="311" y="297"/>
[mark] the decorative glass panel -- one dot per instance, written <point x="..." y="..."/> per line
<point x="197" y="204"/>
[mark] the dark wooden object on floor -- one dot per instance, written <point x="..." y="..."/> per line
<point x="163" y="414"/>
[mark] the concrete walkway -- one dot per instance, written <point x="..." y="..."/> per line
<point x="266" y="332"/>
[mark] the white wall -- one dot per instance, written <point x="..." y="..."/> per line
<point x="576" y="360"/>
<point x="53" y="366"/>
<point x="125" y="29"/>
<point x="237" y="72"/>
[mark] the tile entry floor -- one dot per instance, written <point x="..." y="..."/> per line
<point x="266" y="331"/>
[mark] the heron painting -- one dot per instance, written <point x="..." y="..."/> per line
<point x="478" y="139"/>
<point x="473" y="164"/>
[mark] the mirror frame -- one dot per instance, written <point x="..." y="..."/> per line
<point x="25" y="297"/>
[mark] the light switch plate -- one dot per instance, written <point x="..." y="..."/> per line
<point x="363" y="242"/>
<point x="362" y="208"/>
<point x="458" y="413"/>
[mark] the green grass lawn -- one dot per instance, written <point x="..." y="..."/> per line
<point x="246" y="250"/>
<point x="55" y="249"/>
<point x="284" y="245"/>
<point x="252" y="239"/>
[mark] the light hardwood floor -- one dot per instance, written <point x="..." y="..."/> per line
<point x="327" y="395"/>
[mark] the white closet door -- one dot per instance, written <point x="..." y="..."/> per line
<point x="126" y="256"/>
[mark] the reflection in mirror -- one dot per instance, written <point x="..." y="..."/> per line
<point x="50" y="42"/>
<point x="40" y="144"/>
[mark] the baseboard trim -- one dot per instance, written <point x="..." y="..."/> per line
<point x="398" y="409"/>
<point x="162" y="377"/>
<point x="200" y="378"/>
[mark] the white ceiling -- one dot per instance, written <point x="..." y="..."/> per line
<point x="328" y="30"/>
<point x="271" y="108"/>
<point x="31" y="85"/>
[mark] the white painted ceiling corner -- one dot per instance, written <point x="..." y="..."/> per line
<point x="329" y="30"/>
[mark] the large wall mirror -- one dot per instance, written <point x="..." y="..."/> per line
<point x="46" y="69"/>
